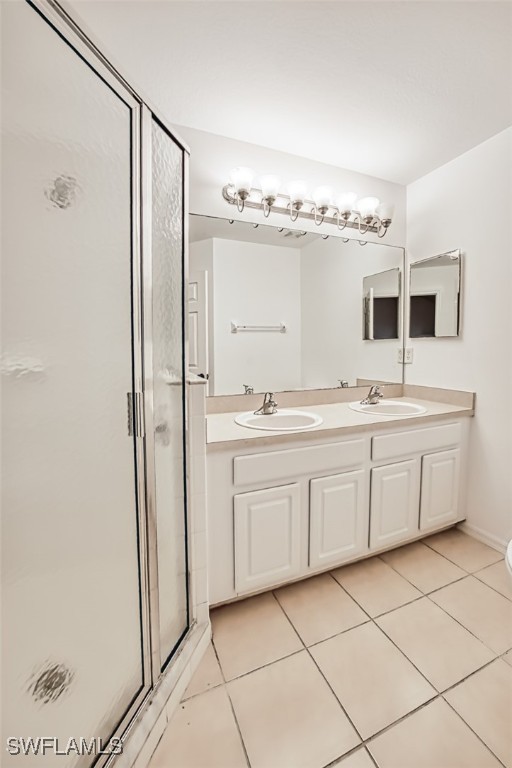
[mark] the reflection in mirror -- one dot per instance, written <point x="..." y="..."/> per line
<point x="381" y="305"/>
<point x="434" y="308"/>
<point x="274" y="308"/>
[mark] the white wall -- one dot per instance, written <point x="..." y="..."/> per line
<point x="213" y="157"/>
<point x="252" y="284"/>
<point x="467" y="204"/>
<point x="332" y="295"/>
<point x="201" y="260"/>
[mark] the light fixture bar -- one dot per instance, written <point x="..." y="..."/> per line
<point x="229" y="194"/>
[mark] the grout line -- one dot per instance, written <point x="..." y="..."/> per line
<point x="349" y="595"/>
<point x="200" y="693"/>
<point x="337" y="634"/>
<point x="475" y="733"/>
<point x="433" y="549"/>
<point x="455" y="581"/>
<point x="490" y="586"/>
<point x="470" y="674"/>
<point x="231" y="703"/>
<point x="438" y="694"/>
<point x="463" y="626"/>
<point x="470" y="573"/>
<point x="406" y="657"/>
<point x="397" y="608"/>
<point x="263" y="666"/>
<point x="436" y="589"/>
<point x="373" y="619"/>
<point x="320" y="671"/>
<point x="490" y="565"/>
<point x="371" y="756"/>
<point x="330" y="637"/>
<point x="350" y="752"/>
<point x="364" y="742"/>
<point x="433" y="591"/>
<point x="401" y="719"/>
<point x="238" y="727"/>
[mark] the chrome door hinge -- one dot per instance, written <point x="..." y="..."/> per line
<point x="135" y="414"/>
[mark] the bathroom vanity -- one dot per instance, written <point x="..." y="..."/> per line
<point x="282" y="507"/>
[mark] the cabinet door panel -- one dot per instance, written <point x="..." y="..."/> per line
<point x="439" y="489"/>
<point x="338" y="523"/>
<point x="267" y="537"/>
<point x="394" y="503"/>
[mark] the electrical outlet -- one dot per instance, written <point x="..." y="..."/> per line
<point x="400" y="355"/>
<point x="408" y="355"/>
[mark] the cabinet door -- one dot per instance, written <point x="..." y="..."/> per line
<point x="440" y="474"/>
<point x="394" y="503"/>
<point x="267" y="537"/>
<point x="338" y="519"/>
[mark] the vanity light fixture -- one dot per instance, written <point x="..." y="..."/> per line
<point x="269" y="191"/>
<point x="241" y="181"/>
<point x="322" y="197"/>
<point x="343" y="210"/>
<point x="297" y="190"/>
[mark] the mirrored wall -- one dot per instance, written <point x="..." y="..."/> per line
<point x="275" y="308"/>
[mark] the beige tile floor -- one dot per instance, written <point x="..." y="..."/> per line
<point x="403" y="660"/>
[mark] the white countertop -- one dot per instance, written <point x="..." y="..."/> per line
<point x="221" y="427"/>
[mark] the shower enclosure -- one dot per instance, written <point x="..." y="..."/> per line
<point x="94" y="354"/>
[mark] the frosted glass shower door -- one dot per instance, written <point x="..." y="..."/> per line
<point x="168" y="348"/>
<point x="71" y="592"/>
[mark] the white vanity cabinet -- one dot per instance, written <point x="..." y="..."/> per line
<point x="395" y="494"/>
<point x="338" y="525"/>
<point x="440" y="488"/>
<point x="267" y="537"/>
<point x="280" y="509"/>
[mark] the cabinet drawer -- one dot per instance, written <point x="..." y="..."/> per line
<point x="415" y="441"/>
<point x="277" y="465"/>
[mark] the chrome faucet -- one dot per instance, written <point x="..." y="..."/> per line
<point x="373" y="396"/>
<point x="269" y="405"/>
<point x="248" y="389"/>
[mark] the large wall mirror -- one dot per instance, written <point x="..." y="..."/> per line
<point x="434" y="296"/>
<point x="273" y="308"/>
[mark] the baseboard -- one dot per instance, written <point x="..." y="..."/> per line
<point x="486" y="538"/>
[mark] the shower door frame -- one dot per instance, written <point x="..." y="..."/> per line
<point x="141" y="117"/>
<point x="147" y="119"/>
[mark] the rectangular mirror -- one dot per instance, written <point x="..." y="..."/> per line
<point x="274" y="308"/>
<point x="434" y="305"/>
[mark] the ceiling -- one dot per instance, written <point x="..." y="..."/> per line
<point x="391" y="89"/>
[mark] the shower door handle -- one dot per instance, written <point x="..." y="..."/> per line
<point x="135" y="414"/>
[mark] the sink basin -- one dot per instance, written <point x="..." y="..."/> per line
<point x="389" y="408"/>
<point x="285" y="420"/>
